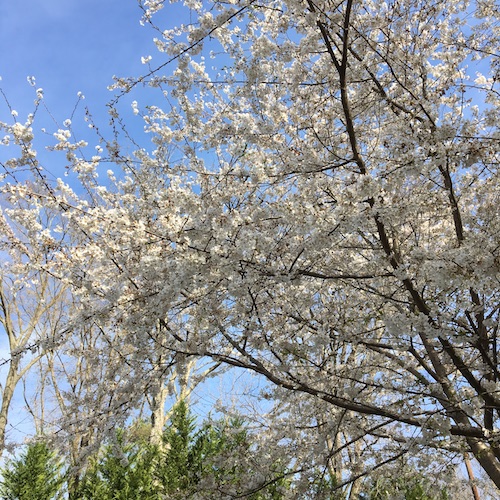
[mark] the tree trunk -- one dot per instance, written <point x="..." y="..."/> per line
<point x="158" y="416"/>
<point x="7" y="395"/>
<point x="487" y="460"/>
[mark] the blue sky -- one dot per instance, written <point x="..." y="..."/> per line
<point x="69" y="46"/>
<point x="73" y="46"/>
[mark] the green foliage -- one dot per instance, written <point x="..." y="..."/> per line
<point x="124" y="471"/>
<point x="211" y="458"/>
<point x="415" y="487"/>
<point x="35" y="475"/>
<point x="181" y="463"/>
<point x="229" y="460"/>
<point x="214" y="456"/>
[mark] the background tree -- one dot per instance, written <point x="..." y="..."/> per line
<point x="33" y="305"/>
<point x="35" y="475"/>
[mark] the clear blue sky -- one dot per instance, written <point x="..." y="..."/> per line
<point x="70" y="46"/>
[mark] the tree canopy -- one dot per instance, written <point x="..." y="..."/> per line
<point x="318" y="205"/>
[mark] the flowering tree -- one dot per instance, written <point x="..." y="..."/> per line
<point x="319" y="207"/>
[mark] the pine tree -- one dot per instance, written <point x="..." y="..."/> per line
<point x="124" y="471"/>
<point x="35" y="475"/>
<point x="214" y="459"/>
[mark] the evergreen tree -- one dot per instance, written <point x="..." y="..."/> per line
<point x="123" y="471"/>
<point x="35" y="475"/>
<point x="213" y="460"/>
